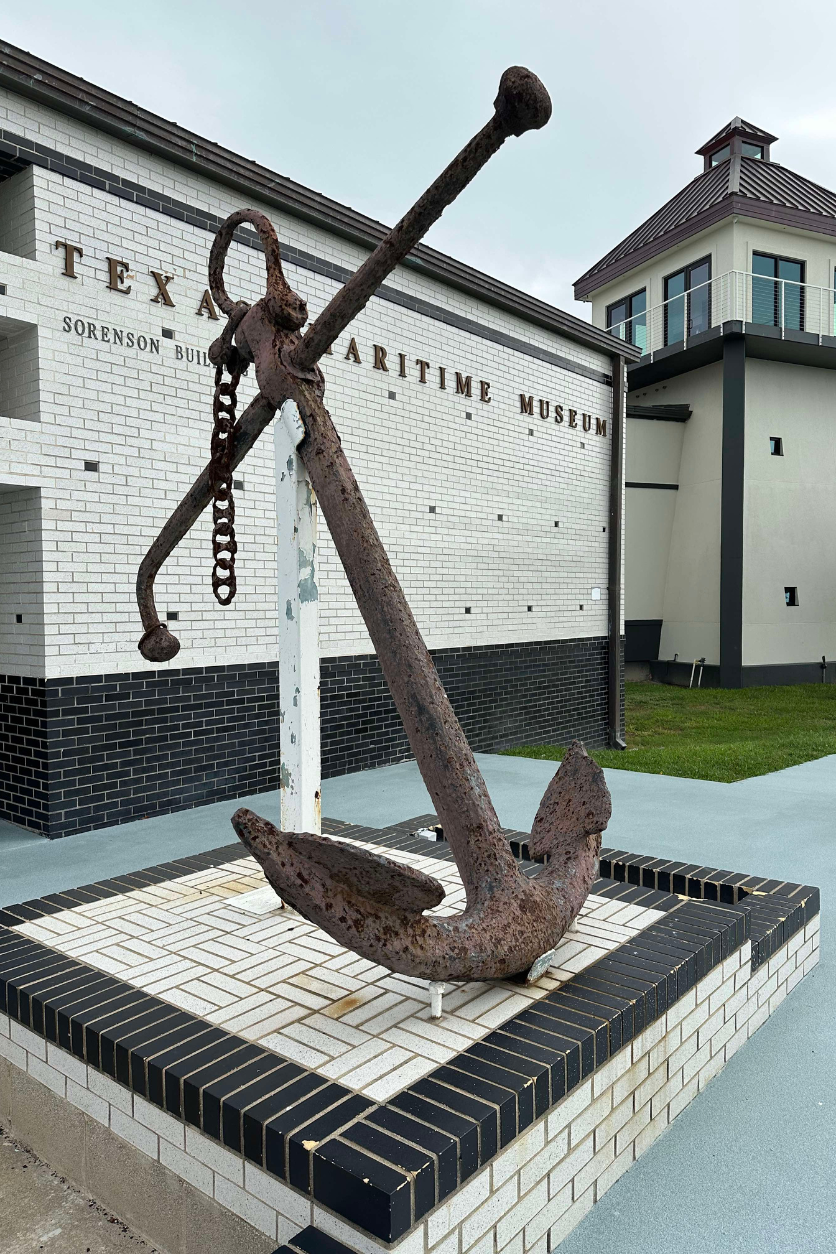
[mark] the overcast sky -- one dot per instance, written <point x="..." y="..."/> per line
<point x="366" y="100"/>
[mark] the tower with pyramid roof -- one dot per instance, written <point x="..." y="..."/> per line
<point x="729" y="292"/>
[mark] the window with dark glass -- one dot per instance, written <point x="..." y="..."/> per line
<point x="777" y="291"/>
<point x="752" y="150"/>
<point x="776" y="446"/>
<point x="688" y="301"/>
<point x="791" y="596"/>
<point x="722" y="154"/>
<point x="627" y="319"/>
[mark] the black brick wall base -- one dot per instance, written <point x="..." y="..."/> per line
<point x="23" y="756"/>
<point x="111" y="748"/>
<point x="543" y="692"/>
<point x="98" y="750"/>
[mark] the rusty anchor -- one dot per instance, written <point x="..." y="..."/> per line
<point x="366" y="901"/>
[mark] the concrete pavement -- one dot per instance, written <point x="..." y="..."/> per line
<point x="39" y="1210"/>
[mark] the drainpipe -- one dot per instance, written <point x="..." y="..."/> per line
<point x="614" y="572"/>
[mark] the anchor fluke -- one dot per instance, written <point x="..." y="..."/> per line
<point x="576" y="804"/>
<point x="363" y="874"/>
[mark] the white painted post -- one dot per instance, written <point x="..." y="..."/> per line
<point x="296" y="518"/>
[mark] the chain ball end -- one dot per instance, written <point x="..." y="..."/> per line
<point x="159" y="645"/>
<point x="522" y="102"/>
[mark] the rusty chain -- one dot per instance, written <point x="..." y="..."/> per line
<point x="224" y="546"/>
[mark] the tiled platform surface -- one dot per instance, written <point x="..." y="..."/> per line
<point x="217" y="943"/>
<point x="496" y="1129"/>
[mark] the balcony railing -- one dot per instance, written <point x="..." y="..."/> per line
<point x="737" y="295"/>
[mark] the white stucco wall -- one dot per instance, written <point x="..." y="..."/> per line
<point x="653" y="453"/>
<point x="672" y="567"/>
<point x="691" y="602"/>
<point x="716" y="243"/>
<point x="653" y="450"/>
<point x="788" y="514"/>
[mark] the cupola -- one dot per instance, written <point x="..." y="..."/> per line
<point x="737" y="138"/>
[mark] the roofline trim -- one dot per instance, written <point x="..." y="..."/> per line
<point x="27" y="75"/>
<point x="659" y="413"/>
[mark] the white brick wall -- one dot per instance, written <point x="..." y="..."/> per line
<point x="533" y="1193"/>
<point x="146" y="418"/>
<point x="17" y="216"/>
<point x="21" y="588"/>
<point x="19" y="371"/>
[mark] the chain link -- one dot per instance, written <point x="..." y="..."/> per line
<point x="224" y="546"/>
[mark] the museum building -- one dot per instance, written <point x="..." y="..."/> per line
<point x="484" y="426"/>
<point x="728" y="292"/>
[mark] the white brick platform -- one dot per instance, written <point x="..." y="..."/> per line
<point x="537" y="1190"/>
<point x="311" y="1090"/>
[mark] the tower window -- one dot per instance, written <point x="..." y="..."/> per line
<point x="776" y="446"/>
<point x="752" y="150"/>
<point x="722" y="154"/>
<point x="627" y="319"/>
<point x="778" y="291"/>
<point x="688" y="301"/>
<point x="791" y="596"/>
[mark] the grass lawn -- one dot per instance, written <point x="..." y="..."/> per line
<point x="715" y="733"/>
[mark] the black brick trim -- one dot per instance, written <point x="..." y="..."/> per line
<point x="537" y="692"/>
<point x="686" y="879"/>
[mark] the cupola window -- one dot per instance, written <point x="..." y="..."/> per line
<point x="738" y="138"/>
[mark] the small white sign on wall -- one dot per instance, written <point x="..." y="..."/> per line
<point x="596" y="594"/>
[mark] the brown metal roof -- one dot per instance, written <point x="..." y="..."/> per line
<point x="744" y="186"/>
<point x="30" y="76"/>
